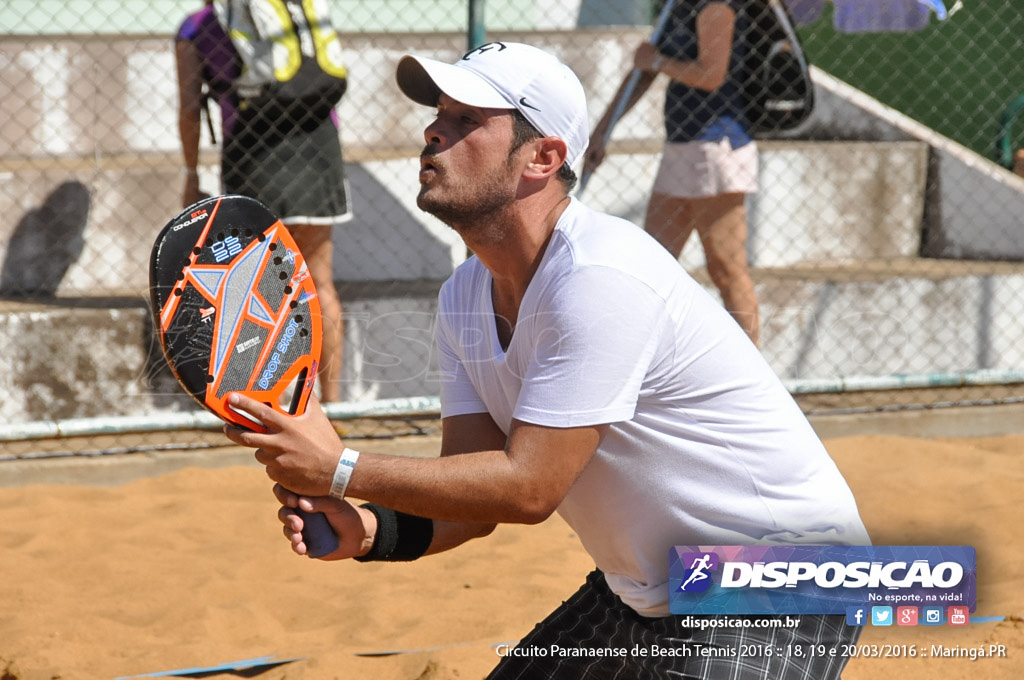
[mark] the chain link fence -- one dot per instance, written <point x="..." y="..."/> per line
<point x="885" y="239"/>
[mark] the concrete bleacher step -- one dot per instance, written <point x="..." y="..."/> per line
<point x="79" y="357"/>
<point x="84" y="357"/>
<point x="816" y="201"/>
<point x="886" y="317"/>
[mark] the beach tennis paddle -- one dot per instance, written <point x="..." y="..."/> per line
<point x="236" y="311"/>
<point x="627" y="90"/>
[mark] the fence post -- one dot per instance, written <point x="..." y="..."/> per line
<point x="476" y="33"/>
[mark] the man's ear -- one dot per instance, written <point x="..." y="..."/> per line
<point x="548" y="157"/>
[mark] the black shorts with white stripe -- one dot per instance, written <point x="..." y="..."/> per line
<point x="594" y="636"/>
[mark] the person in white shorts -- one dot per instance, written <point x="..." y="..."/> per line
<point x="583" y="371"/>
<point x="709" y="161"/>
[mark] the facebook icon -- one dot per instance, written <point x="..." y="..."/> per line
<point x="856" y="616"/>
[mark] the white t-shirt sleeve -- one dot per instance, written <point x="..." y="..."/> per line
<point x="591" y="343"/>
<point x="458" y="396"/>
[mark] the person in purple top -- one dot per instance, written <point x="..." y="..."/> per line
<point x="286" y="154"/>
<point x="207" y="66"/>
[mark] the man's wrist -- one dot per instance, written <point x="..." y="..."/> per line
<point x="370" y="529"/>
<point x="343" y="473"/>
<point x="398" y="537"/>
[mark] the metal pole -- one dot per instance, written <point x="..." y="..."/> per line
<point x="627" y="92"/>
<point x="476" y="34"/>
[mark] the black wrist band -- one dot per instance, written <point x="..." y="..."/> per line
<point x="400" y="537"/>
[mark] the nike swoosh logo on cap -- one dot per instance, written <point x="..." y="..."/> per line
<point x="523" y="102"/>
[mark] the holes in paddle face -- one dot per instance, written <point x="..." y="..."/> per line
<point x="304" y="331"/>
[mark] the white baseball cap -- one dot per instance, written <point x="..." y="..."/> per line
<point x="505" y="75"/>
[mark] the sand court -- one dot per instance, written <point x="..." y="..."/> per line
<point x="188" y="569"/>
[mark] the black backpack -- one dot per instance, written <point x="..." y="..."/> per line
<point x="778" y="88"/>
<point x="311" y="71"/>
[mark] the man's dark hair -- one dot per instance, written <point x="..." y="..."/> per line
<point x="523" y="132"/>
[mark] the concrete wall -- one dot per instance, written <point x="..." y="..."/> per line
<point x="818" y="202"/>
<point x="89" y="174"/>
<point x="100" y="115"/>
<point x="58" y="361"/>
<point x="115" y="137"/>
<point x="974" y="208"/>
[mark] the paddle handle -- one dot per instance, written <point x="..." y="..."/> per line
<point x="317" y="534"/>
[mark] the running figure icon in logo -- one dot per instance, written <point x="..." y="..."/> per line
<point x="698" y="576"/>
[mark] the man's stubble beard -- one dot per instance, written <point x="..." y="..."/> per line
<point x="473" y="205"/>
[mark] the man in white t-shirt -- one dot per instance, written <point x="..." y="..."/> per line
<point x="583" y="371"/>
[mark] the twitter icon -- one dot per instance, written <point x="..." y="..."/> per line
<point x="881" y="616"/>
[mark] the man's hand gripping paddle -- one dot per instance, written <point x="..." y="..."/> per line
<point x="236" y="311"/>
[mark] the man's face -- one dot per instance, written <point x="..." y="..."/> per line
<point x="465" y="169"/>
